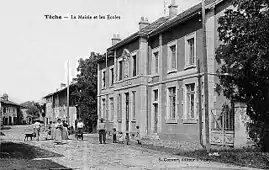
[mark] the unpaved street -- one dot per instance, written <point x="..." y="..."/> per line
<point x="89" y="154"/>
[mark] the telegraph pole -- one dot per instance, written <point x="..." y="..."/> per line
<point x="205" y="78"/>
<point x="67" y="115"/>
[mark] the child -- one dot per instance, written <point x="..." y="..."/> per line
<point x="114" y="133"/>
<point x="121" y="137"/>
<point x="138" y="136"/>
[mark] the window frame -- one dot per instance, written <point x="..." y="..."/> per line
<point x="111" y="114"/>
<point x="133" y="103"/>
<point x="103" y="79"/>
<point x="155" y="102"/>
<point x="122" y="73"/>
<point x="132" y="64"/>
<point x="111" y="77"/>
<point x="186" y="117"/>
<point x="169" y="120"/>
<point x="153" y="61"/>
<point x="187" y="52"/>
<point x="169" y="58"/>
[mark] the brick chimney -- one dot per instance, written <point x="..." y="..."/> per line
<point x="115" y="39"/>
<point x="172" y="9"/>
<point x="143" y="23"/>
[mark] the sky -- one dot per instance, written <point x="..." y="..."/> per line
<point x="34" y="50"/>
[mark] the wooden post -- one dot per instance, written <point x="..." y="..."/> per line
<point x="205" y="77"/>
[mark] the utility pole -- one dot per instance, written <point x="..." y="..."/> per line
<point x="206" y="102"/>
<point x="67" y="115"/>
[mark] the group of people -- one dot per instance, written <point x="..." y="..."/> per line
<point x="58" y="131"/>
<point x="117" y="137"/>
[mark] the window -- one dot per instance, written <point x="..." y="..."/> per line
<point x="133" y="106"/>
<point x="172" y="102"/>
<point x="155" y="62"/>
<point x="104" y="79"/>
<point x="119" y="107"/>
<point x="190" y="100"/>
<point x="155" y="111"/>
<point x="120" y="70"/>
<point x="111" y="109"/>
<point x="134" y="65"/>
<point x="190" y="49"/>
<point x="104" y="107"/>
<point x="111" y="76"/>
<point x="172" y="56"/>
<point x="155" y="93"/>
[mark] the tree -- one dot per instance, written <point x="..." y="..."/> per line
<point x="33" y="110"/>
<point x="85" y="92"/>
<point x="244" y="55"/>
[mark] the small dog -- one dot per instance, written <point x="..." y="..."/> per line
<point x="79" y="135"/>
<point x="29" y="135"/>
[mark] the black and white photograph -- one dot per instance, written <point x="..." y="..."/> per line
<point x="134" y="84"/>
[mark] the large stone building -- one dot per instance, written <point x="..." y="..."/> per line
<point x="155" y="78"/>
<point x="8" y="111"/>
<point x="56" y="106"/>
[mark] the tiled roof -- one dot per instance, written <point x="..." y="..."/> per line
<point x="163" y="23"/>
<point x="8" y="102"/>
<point x="48" y="95"/>
<point x="144" y="31"/>
<point x="178" y="18"/>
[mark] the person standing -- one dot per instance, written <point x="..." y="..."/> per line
<point x="65" y="130"/>
<point x="114" y="133"/>
<point x="102" y="131"/>
<point x="37" y="127"/>
<point x="58" y="132"/>
<point x="80" y="127"/>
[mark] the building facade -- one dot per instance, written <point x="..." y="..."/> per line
<point x="155" y="78"/>
<point x="8" y="111"/>
<point x="56" y="106"/>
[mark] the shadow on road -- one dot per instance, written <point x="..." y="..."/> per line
<point x="5" y="127"/>
<point x="21" y="155"/>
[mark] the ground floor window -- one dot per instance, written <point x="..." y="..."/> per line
<point x="190" y="102"/>
<point x="172" y="102"/>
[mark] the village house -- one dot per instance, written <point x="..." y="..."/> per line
<point x="155" y="79"/>
<point x="8" y="111"/>
<point x="56" y="105"/>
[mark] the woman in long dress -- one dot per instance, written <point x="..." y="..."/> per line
<point x="58" y="132"/>
<point x="65" y="131"/>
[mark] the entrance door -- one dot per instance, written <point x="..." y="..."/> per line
<point x="155" y="117"/>
<point x="127" y="111"/>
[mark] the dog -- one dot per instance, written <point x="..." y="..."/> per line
<point x="80" y="136"/>
<point x="29" y="135"/>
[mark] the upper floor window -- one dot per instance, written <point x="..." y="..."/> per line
<point x="172" y="56"/>
<point x="155" y="95"/>
<point x="190" y="50"/>
<point x="120" y="70"/>
<point x="104" y="79"/>
<point x="111" y="77"/>
<point x="134" y="65"/>
<point x="155" y="61"/>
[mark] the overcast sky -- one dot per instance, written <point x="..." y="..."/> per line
<point x="34" y="50"/>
